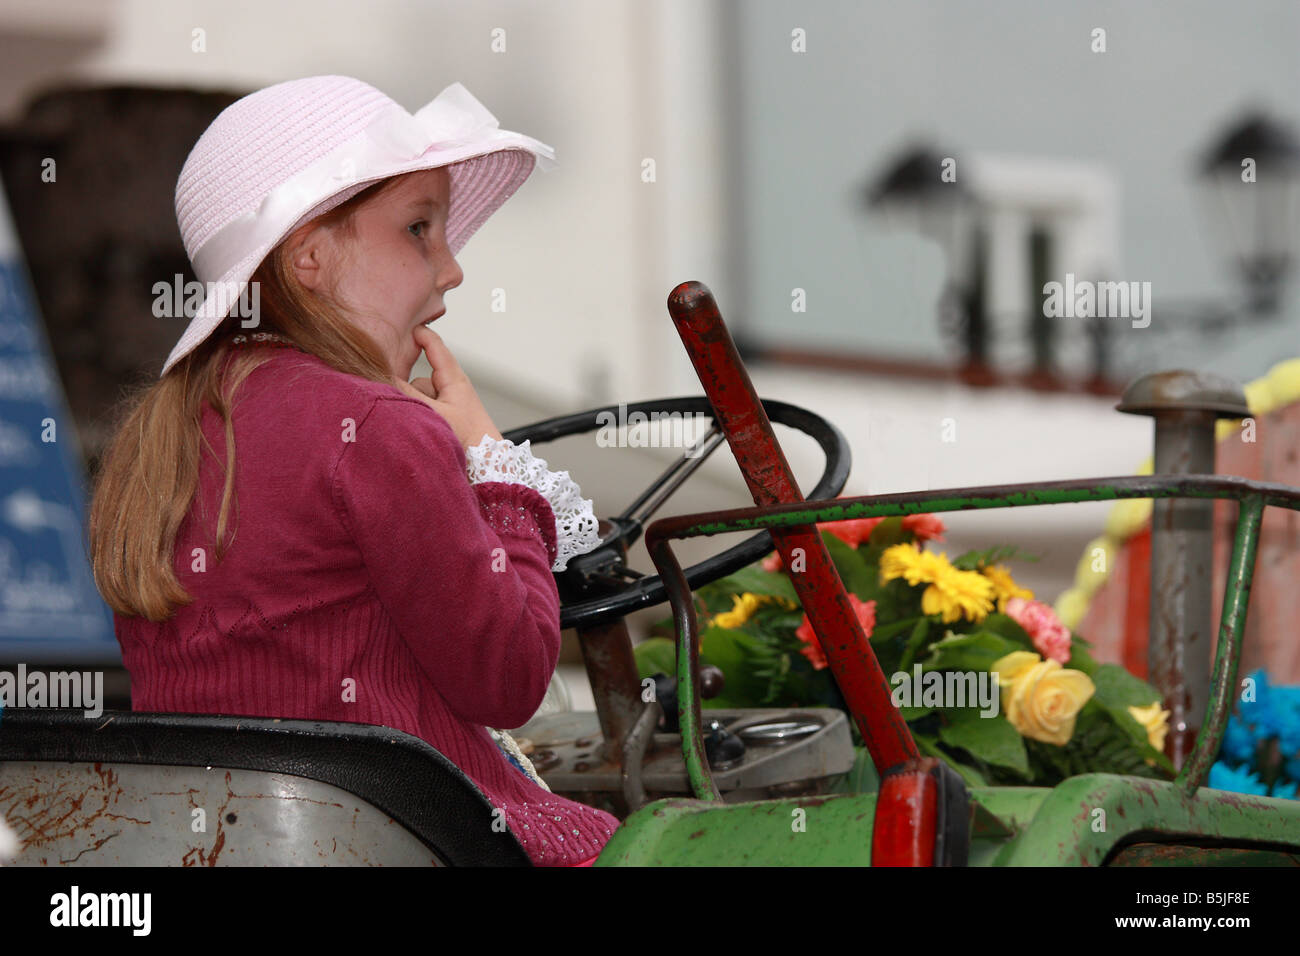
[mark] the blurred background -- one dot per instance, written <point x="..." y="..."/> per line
<point x="876" y="193"/>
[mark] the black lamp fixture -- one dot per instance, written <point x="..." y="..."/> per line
<point x="921" y="192"/>
<point x="1251" y="177"/>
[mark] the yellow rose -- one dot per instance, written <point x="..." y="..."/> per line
<point x="1013" y="665"/>
<point x="1156" y="723"/>
<point x="1040" y="698"/>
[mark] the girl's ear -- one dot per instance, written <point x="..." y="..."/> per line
<point x="307" y="254"/>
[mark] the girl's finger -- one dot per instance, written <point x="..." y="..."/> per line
<point x="416" y="393"/>
<point x="446" y="370"/>
<point x="424" y="385"/>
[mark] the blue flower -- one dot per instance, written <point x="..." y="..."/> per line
<point x="1238" y="742"/>
<point x="1260" y="713"/>
<point x="1292" y="767"/>
<point x="1284" y="703"/>
<point x="1286" y="791"/>
<point x="1223" y="777"/>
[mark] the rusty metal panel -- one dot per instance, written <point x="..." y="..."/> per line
<point x="1086" y="819"/>
<point x="80" y="814"/>
<point x="1161" y="854"/>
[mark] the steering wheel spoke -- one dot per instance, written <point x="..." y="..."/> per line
<point x="650" y="500"/>
<point x="599" y="587"/>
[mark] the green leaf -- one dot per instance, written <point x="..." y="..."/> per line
<point x="968" y="652"/>
<point x="655" y="655"/>
<point x="990" y="739"/>
<point x="1002" y="553"/>
<point x="732" y="652"/>
<point x="1117" y="691"/>
<point x="895" y="600"/>
<point x="857" y="575"/>
<point x="914" y="642"/>
<point x="1004" y="625"/>
<point x="751" y="579"/>
<point x="929" y="745"/>
<point x="1080" y="659"/>
<point x="884" y="632"/>
<point x="1098" y="745"/>
<point x="1116" y="687"/>
<point x="884" y="535"/>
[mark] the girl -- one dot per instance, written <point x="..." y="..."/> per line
<point x="284" y="525"/>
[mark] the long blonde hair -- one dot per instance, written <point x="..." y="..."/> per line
<point x="149" y="473"/>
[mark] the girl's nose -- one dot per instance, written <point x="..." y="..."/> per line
<point x="449" y="273"/>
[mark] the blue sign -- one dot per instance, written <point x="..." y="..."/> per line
<point x="49" y="608"/>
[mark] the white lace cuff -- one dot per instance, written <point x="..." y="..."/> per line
<point x="575" y="523"/>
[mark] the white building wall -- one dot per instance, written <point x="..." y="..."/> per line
<point x="587" y="254"/>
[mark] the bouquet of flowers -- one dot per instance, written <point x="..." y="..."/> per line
<point x="986" y="677"/>
<point x="1261" y="746"/>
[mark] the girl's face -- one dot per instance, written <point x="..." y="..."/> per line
<point x="391" y="278"/>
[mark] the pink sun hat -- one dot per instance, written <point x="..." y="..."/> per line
<point x="284" y="155"/>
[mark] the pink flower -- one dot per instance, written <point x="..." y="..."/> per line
<point x="925" y="527"/>
<point x="812" y="649"/>
<point x="772" y="562"/>
<point x="1051" y="638"/>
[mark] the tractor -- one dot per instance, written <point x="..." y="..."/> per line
<point x="123" y="788"/>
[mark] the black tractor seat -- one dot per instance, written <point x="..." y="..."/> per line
<point x="399" y="774"/>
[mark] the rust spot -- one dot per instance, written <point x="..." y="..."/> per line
<point x="697" y="833"/>
<point x="217" y="847"/>
<point x="94" y="846"/>
<point x="123" y="816"/>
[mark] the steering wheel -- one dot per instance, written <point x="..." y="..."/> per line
<point x="603" y="572"/>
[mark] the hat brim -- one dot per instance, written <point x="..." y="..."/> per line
<point x="480" y="185"/>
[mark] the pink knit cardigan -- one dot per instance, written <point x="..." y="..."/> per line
<point x="368" y="581"/>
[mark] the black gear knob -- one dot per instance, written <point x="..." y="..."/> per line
<point x="712" y="681"/>
<point x="723" y="748"/>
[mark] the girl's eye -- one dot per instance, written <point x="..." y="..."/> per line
<point x="416" y="229"/>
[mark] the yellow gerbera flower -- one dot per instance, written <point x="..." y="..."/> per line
<point x="955" y="594"/>
<point x="743" y="607"/>
<point x="910" y="563"/>
<point x="951" y="594"/>
<point x="1004" y="585"/>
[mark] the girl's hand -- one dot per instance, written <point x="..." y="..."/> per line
<point x="448" y="391"/>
